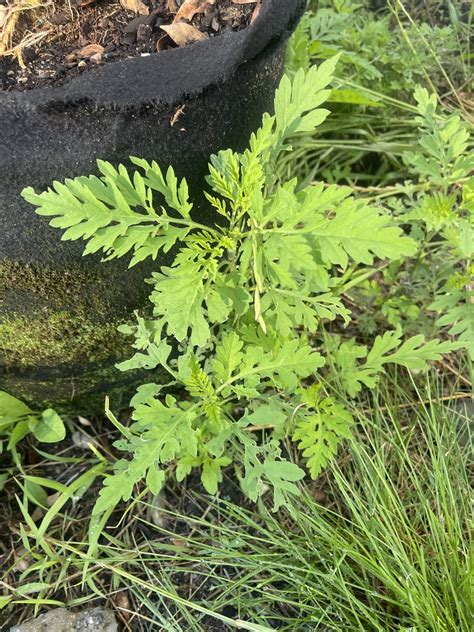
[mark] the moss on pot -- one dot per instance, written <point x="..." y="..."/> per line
<point x="54" y="316"/>
<point x="58" y="337"/>
<point x="45" y="287"/>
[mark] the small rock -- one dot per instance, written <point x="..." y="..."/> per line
<point x="96" y="620"/>
<point x="63" y="620"/>
<point x="129" y="38"/>
<point x="133" y="25"/>
<point x="23" y="559"/>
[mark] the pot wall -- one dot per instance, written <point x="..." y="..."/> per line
<point x="58" y="310"/>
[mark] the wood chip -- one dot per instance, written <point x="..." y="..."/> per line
<point x="135" y="5"/>
<point x="91" y="50"/>
<point x="184" y="34"/>
<point x="177" y="115"/>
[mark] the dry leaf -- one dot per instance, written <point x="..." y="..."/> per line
<point x="90" y="50"/>
<point x="172" y="6"/>
<point x="156" y="511"/>
<point x="122" y="602"/>
<point x="135" y="5"/>
<point x="184" y="34"/>
<point x="52" y="499"/>
<point x="164" y="43"/>
<point x="244" y="1"/>
<point x="190" y="7"/>
<point x="177" y="542"/>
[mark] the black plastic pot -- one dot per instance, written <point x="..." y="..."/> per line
<point x="59" y="311"/>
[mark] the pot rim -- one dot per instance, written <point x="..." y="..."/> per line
<point x="170" y="76"/>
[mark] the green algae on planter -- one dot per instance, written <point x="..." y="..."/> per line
<point x="52" y="317"/>
<point x="58" y="336"/>
<point x="51" y="288"/>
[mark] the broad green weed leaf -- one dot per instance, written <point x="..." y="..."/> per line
<point x="49" y="428"/>
<point x="267" y="415"/>
<point x="212" y="473"/>
<point x="12" y="409"/>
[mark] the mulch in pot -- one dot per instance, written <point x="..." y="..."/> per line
<point x="63" y="39"/>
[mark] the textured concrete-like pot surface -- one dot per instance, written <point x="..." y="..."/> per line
<point x="58" y="310"/>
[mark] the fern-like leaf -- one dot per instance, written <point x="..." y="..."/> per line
<point x="457" y="308"/>
<point x="115" y="213"/>
<point x="414" y="353"/>
<point x="161" y="432"/>
<point x="320" y="426"/>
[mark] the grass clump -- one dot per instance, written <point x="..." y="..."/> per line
<point x="382" y="541"/>
<point x="387" y="547"/>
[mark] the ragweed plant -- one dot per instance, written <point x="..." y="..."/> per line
<point x="239" y="314"/>
<point x="444" y="165"/>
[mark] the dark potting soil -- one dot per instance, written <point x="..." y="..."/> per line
<point x="84" y="34"/>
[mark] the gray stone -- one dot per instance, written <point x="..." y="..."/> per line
<point x="63" y="620"/>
